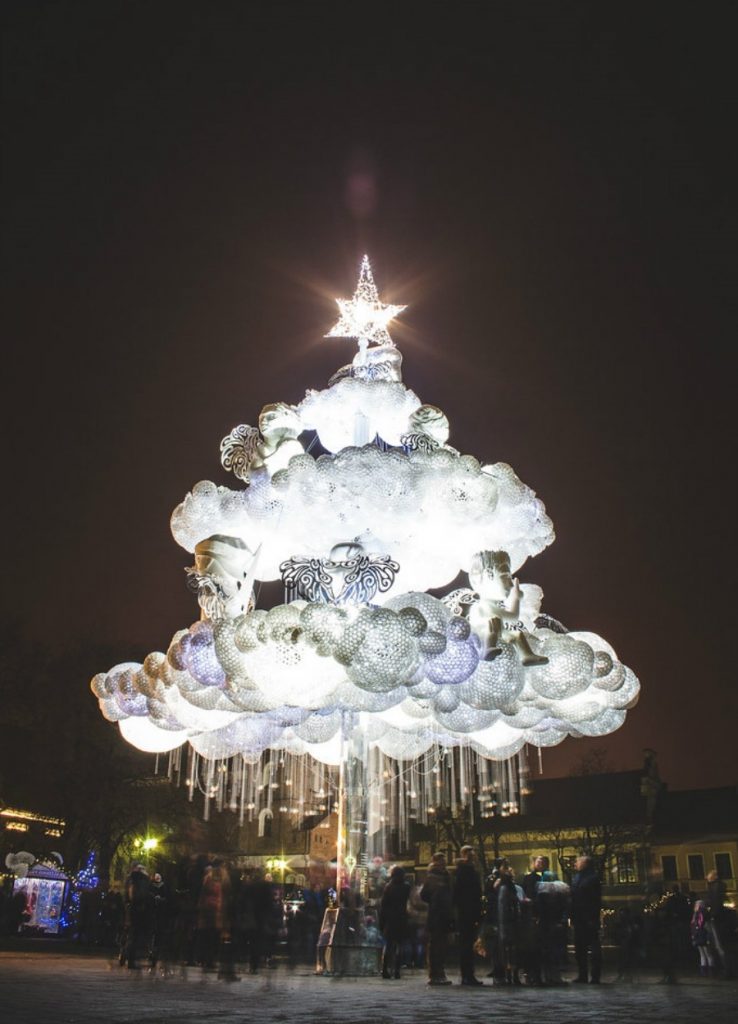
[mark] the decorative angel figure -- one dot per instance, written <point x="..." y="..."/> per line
<point x="223" y="576"/>
<point x="270" y="447"/>
<point x="495" y="616"/>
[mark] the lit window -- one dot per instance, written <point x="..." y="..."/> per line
<point x="626" y="869"/>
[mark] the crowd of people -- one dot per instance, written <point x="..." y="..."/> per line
<point x="217" y="917"/>
<point x="521" y="930"/>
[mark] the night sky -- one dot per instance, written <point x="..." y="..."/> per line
<point x="548" y="186"/>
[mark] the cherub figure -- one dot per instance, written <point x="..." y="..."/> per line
<point x="280" y="427"/>
<point x="223" y="576"/>
<point x="495" y="616"/>
<point x="271" y="446"/>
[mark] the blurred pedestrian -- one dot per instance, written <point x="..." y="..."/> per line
<point x="393" y="921"/>
<point x="137" y="916"/>
<point x="586" y="907"/>
<point x="436" y="892"/>
<point x="162" y="923"/>
<point x="532" y="937"/>
<point x="673" y="923"/>
<point x="509" y="898"/>
<point x="715" y="907"/>
<point x="701" y="937"/>
<point x="212" y="906"/>
<point x="417" y="914"/>
<point x="467" y="900"/>
<point x="552" y="913"/>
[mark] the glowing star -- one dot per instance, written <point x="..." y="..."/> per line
<point x="364" y="317"/>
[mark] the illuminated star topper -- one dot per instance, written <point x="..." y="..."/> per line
<point x="364" y="317"/>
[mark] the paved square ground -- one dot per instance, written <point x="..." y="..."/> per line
<point x="57" y="988"/>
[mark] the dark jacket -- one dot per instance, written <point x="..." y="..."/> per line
<point x="467" y="894"/>
<point x="552" y="904"/>
<point x="508" y="911"/>
<point x="137" y="905"/>
<point x="530" y="884"/>
<point x="393" y="908"/>
<point x="436" y="892"/>
<point x="586" y="898"/>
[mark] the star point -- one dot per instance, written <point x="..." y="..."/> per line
<point x="364" y="317"/>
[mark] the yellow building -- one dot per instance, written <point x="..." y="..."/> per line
<point x="645" y="837"/>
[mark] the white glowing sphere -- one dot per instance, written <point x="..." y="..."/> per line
<point x="328" y="752"/>
<point x="141" y="733"/>
<point x="495" y="684"/>
<point x="569" y="669"/>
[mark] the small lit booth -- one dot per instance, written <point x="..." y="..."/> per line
<point x="44" y="888"/>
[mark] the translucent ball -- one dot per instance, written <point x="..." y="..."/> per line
<point x="432" y="643"/>
<point x="602" y="664"/>
<point x="176" y="655"/>
<point x="435" y="613"/>
<point x="247" y="627"/>
<point x="413" y="621"/>
<point x="404" y="746"/>
<point x="465" y="719"/>
<point x="319" y="727"/>
<point x="386" y="657"/>
<point x="446" y="698"/>
<point x="569" y="670"/>
<point x="495" y="684"/>
<point x="455" y="664"/>
<point x="626" y="695"/>
<point x="323" y="625"/>
<point x="229" y="656"/>
<point x="200" y="656"/>
<point x="605" y="723"/>
<point x="458" y="628"/>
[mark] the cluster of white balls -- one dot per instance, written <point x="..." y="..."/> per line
<point x="410" y="670"/>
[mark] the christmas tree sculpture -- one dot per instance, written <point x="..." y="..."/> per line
<point x="362" y="691"/>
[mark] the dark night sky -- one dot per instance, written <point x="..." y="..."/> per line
<point x="549" y="186"/>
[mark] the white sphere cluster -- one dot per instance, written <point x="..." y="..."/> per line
<point x="410" y="669"/>
<point x="430" y="511"/>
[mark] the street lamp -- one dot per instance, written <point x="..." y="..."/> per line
<point x="277" y="864"/>
<point x="147" y="846"/>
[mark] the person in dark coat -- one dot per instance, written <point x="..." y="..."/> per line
<point x="253" y="912"/>
<point x="533" y="955"/>
<point x="162" y="920"/>
<point x="508" y="927"/>
<point x="393" y="921"/>
<point x="436" y="892"/>
<point x="468" y="907"/>
<point x="586" y="906"/>
<point x="137" y="915"/>
<point x="491" y="923"/>
<point x="552" y="913"/>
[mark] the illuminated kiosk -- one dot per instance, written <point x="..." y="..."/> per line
<point x="361" y="689"/>
<point x="44" y="888"/>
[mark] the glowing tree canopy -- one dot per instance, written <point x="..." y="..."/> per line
<point x="356" y="501"/>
